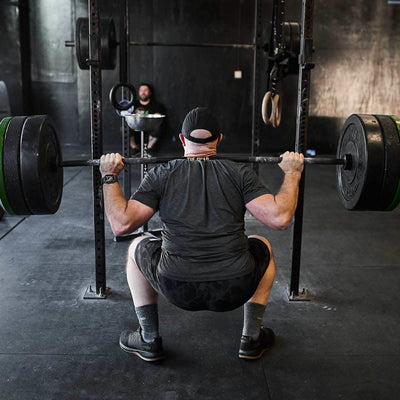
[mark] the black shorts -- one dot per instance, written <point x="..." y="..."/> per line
<point x="219" y="295"/>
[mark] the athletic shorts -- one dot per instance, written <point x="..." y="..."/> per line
<point x="218" y="295"/>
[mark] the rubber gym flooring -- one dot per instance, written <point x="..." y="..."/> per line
<point x="344" y="344"/>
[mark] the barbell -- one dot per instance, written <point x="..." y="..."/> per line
<point x="31" y="176"/>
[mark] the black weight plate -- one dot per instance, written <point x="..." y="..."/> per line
<point x="291" y="43"/>
<point x="108" y="44"/>
<point x="42" y="175"/>
<point x="396" y="200"/>
<point x="295" y="37"/>
<point x="11" y="170"/>
<point x="359" y="187"/>
<point x="4" y="202"/>
<point x="291" y="37"/>
<point x="392" y="160"/>
<point x="82" y="42"/>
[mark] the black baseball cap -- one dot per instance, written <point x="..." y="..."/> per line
<point x="200" y="118"/>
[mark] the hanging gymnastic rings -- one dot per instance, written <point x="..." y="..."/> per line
<point x="275" y="117"/>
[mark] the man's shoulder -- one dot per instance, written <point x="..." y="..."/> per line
<point x="167" y="167"/>
<point x="236" y="166"/>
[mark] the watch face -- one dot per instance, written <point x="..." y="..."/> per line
<point x="110" y="179"/>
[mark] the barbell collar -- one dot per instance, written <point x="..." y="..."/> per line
<point x="346" y="161"/>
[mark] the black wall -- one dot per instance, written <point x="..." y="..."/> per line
<point x="357" y="67"/>
<point x="10" y="57"/>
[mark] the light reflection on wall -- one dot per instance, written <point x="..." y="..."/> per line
<point x="357" y="59"/>
<point x="51" y="25"/>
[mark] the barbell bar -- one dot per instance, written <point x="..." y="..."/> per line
<point x="31" y="166"/>
<point x="345" y="161"/>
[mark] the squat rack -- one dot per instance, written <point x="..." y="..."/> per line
<point x="305" y="65"/>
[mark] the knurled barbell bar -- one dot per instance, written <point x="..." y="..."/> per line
<point x="31" y="177"/>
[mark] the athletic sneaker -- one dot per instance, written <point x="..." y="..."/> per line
<point x="132" y="342"/>
<point x="254" y="349"/>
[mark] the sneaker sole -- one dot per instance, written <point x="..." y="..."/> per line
<point x="140" y="355"/>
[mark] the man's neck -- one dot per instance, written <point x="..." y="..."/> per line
<point x="144" y="103"/>
<point x="200" y="153"/>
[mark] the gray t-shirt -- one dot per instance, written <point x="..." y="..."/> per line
<point x="202" y="205"/>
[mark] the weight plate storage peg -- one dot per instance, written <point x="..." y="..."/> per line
<point x="359" y="187"/>
<point x="11" y="164"/>
<point x="4" y="202"/>
<point x="41" y="171"/>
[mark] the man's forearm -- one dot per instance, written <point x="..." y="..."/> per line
<point x="115" y="205"/>
<point x="286" y="198"/>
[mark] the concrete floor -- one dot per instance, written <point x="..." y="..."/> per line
<point x="344" y="344"/>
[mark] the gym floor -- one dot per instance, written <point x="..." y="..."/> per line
<point x="344" y="344"/>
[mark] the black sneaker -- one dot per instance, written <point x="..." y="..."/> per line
<point x="254" y="349"/>
<point x="132" y="342"/>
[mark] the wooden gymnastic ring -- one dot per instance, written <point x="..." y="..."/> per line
<point x="276" y="114"/>
<point x="264" y="108"/>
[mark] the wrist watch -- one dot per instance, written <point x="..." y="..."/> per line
<point x="109" y="179"/>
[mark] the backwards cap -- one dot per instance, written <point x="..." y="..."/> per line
<point x="200" y="118"/>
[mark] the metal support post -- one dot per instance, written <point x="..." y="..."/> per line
<point x="303" y="99"/>
<point x="255" y="142"/>
<point x="124" y="77"/>
<point x="96" y="150"/>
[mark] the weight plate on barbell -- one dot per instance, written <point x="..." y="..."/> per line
<point x="359" y="187"/>
<point x="396" y="200"/>
<point x="11" y="162"/>
<point x="4" y="202"/>
<point x="41" y="172"/>
<point x="392" y="161"/>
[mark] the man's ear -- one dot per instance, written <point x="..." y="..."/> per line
<point x="182" y="139"/>
<point x="221" y="136"/>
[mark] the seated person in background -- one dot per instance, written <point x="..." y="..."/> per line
<point x="147" y="105"/>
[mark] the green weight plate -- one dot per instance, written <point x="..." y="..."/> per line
<point x="41" y="173"/>
<point x="5" y="204"/>
<point x="359" y="187"/>
<point x="396" y="199"/>
<point x="11" y="170"/>
<point x="392" y="160"/>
